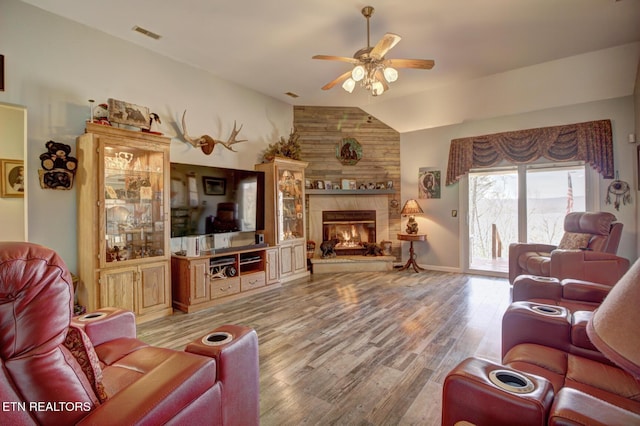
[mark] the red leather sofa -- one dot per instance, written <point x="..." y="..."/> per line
<point x="587" y="251"/>
<point x="59" y="370"/>
<point x="575" y="295"/>
<point x="558" y="367"/>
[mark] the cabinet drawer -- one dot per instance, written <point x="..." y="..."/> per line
<point x="251" y="281"/>
<point x="225" y="287"/>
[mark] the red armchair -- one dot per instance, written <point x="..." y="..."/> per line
<point x="575" y="295"/>
<point x="544" y="380"/>
<point x="586" y="252"/>
<point x="93" y="370"/>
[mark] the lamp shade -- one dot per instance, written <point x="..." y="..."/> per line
<point x="613" y="329"/>
<point x="411" y="207"/>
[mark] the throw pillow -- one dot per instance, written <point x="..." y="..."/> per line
<point x="574" y="241"/>
<point x="80" y="346"/>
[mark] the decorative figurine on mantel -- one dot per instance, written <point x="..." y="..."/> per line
<point x="411" y="208"/>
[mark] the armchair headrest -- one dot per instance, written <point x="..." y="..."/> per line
<point x="596" y="223"/>
<point x="36" y="299"/>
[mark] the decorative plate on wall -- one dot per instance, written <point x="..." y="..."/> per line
<point x="349" y="151"/>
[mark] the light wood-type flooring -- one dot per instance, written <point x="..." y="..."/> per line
<point x="358" y="348"/>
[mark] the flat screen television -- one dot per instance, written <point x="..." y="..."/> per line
<point x="213" y="200"/>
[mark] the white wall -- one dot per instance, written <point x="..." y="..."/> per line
<point x="53" y="66"/>
<point x="430" y="148"/>
<point x="13" y="122"/>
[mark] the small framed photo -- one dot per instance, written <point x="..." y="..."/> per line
<point x="125" y="113"/>
<point x="2" y="73"/>
<point x="12" y="178"/>
<point x="328" y="184"/>
<point x="319" y="184"/>
<point x="214" y="186"/>
<point x="381" y="185"/>
<point x="307" y="184"/>
<point x="389" y="184"/>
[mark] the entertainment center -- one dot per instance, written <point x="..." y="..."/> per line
<point x="155" y="235"/>
<point x="204" y="281"/>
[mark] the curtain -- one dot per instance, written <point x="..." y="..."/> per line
<point x="591" y="142"/>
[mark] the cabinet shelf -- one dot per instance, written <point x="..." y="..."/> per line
<point x="123" y="228"/>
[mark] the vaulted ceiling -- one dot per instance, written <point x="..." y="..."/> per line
<point x="268" y="45"/>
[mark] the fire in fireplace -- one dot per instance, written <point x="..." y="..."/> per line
<point x="351" y="228"/>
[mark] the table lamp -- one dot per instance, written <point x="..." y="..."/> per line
<point x="613" y="329"/>
<point x="411" y="208"/>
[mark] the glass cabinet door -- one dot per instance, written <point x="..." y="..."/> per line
<point x="290" y="204"/>
<point x="133" y="203"/>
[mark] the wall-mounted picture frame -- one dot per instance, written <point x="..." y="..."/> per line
<point x="428" y="183"/>
<point x="12" y="178"/>
<point x="1" y="73"/>
<point x="129" y="114"/>
<point x="214" y="185"/>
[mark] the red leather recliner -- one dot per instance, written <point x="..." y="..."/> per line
<point x="587" y="251"/>
<point x="575" y="295"/>
<point x="549" y="377"/>
<point x="92" y="369"/>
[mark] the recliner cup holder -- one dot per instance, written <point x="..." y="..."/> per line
<point x="92" y="316"/>
<point x="511" y="381"/>
<point x="217" y="338"/>
<point x="547" y="310"/>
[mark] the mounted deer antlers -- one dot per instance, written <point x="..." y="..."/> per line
<point x="206" y="142"/>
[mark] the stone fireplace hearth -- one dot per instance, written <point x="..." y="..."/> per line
<point x="351" y="228"/>
<point x="376" y="204"/>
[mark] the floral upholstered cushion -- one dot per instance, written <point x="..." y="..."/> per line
<point x="574" y="241"/>
<point x="80" y="346"/>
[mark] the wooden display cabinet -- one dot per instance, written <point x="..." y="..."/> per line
<point x="123" y="221"/>
<point x="205" y="281"/>
<point x="285" y="225"/>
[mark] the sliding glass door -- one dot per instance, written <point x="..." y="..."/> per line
<point x="519" y="203"/>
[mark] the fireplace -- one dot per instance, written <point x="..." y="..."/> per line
<point x="352" y="228"/>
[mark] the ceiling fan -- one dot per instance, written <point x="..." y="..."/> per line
<point x="371" y="69"/>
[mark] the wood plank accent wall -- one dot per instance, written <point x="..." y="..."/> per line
<point x="322" y="128"/>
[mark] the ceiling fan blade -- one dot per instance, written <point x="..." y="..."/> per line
<point x="338" y="80"/>
<point x="384" y="45"/>
<point x="336" y="58"/>
<point x="425" y="64"/>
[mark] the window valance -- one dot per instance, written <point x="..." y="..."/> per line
<point x="591" y="142"/>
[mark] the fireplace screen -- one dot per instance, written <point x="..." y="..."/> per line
<point x="351" y="228"/>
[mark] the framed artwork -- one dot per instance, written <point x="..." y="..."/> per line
<point x="214" y="186"/>
<point x="125" y="113"/>
<point x="328" y="184"/>
<point x="349" y="151"/>
<point x="319" y="184"/>
<point x="428" y="183"/>
<point x="1" y="73"/>
<point x="12" y="178"/>
<point x="638" y="169"/>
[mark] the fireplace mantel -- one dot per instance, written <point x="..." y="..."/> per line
<point x="325" y="199"/>
<point x="349" y="191"/>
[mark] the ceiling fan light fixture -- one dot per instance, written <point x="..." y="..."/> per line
<point x="390" y="74"/>
<point x="358" y="73"/>
<point x="349" y="84"/>
<point x="377" y="88"/>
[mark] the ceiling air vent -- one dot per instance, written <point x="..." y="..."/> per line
<point x="146" y="32"/>
<point x="293" y="95"/>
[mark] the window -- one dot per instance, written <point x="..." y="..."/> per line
<point x="519" y="203"/>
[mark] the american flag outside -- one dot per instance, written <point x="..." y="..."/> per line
<point x="569" y="194"/>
